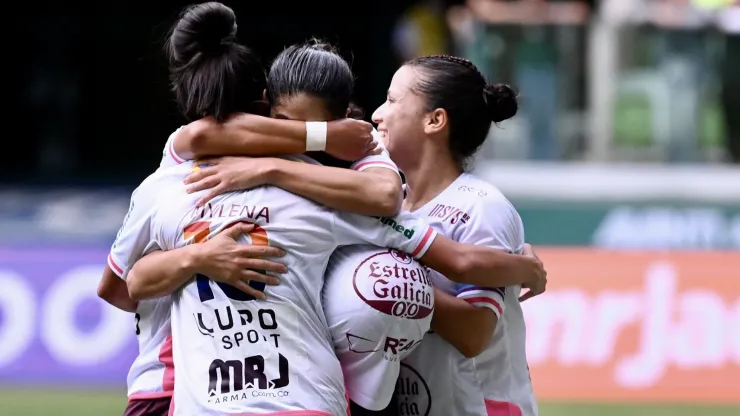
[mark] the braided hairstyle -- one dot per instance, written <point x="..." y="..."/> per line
<point x="457" y="86"/>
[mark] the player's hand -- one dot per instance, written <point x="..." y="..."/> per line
<point x="376" y="150"/>
<point x="224" y="260"/>
<point x="349" y="139"/>
<point x="226" y="174"/>
<point x="538" y="283"/>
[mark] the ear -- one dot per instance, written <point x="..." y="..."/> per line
<point x="435" y="121"/>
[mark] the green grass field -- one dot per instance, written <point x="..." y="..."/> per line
<point x="77" y="403"/>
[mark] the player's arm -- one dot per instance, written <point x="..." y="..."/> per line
<point x="221" y="258"/>
<point x="130" y="244"/>
<point x="371" y="187"/>
<point x="373" y="191"/>
<point x="464" y="325"/>
<point x="483" y="266"/>
<point x="254" y="135"/>
<point x="468" y="320"/>
<point x="113" y="290"/>
<point x="463" y="263"/>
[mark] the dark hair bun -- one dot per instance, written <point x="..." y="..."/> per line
<point x="208" y="28"/>
<point x="501" y="102"/>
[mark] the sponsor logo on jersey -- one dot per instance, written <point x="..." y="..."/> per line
<point x="414" y="397"/>
<point x="392" y="224"/>
<point x="236" y="380"/>
<point x="401" y="257"/>
<point x="395" y="285"/>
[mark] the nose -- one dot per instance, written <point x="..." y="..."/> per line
<point x="378" y="114"/>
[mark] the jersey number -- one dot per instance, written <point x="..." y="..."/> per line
<point x="259" y="238"/>
<point x="137" y="317"/>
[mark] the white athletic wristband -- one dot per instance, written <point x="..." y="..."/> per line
<point x="315" y="136"/>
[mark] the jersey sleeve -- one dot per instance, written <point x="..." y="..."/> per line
<point x="134" y="236"/>
<point x="404" y="232"/>
<point x="382" y="160"/>
<point x="169" y="156"/>
<point x="494" y="224"/>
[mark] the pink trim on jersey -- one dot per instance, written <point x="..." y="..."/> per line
<point x="171" y="150"/>
<point x="116" y="268"/>
<point x="144" y="395"/>
<point x="486" y="300"/>
<point x="346" y="394"/>
<point x="379" y="163"/>
<point x="165" y="357"/>
<point x="423" y="242"/>
<point x="285" y="413"/>
<point x="494" y="408"/>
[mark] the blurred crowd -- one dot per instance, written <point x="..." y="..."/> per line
<point x="644" y="80"/>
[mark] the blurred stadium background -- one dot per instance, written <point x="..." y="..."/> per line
<point x="622" y="162"/>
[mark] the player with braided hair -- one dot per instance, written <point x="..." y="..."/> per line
<point x="438" y="113"/>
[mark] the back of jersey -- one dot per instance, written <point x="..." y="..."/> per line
<point x="235" y="354"/>
<point x="151" y="374"/>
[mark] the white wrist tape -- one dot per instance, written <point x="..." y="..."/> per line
<point x="315" y="136"/>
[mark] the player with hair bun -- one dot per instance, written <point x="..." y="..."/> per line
<point x="438" y="113"/>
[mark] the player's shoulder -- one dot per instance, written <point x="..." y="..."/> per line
<point x="480" y="195"/>
<point x="153" y="185"/>
<point x="282" y="206"/>
<point x="169" y="155"/>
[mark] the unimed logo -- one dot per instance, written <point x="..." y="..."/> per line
<point x="234" y="376"/>
<point x="391" y="223"/>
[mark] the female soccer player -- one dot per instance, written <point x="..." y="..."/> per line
<point x="378" y="302"/>
<point x="437" y="114"/>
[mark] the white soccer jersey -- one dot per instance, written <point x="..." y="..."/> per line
<point x="237" y="355"/>
<point x="151" y="375"/>
<point x="378" y="303"/>
<point x="169" y="156"/>
<point x="497" y="381"/>
<point x="383" y="160"/>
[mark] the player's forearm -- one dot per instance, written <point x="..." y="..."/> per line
<point x="374" y="192"/>
<point x="478" y="265"/>
<point x="243" y="134"/>
<point x="113" y="290"/>
<point x="484" y="266"/>
<point x="464" y="326"/>
<point x="162" y="272"/>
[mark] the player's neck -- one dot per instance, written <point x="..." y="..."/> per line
<point x="429" y="177"/>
